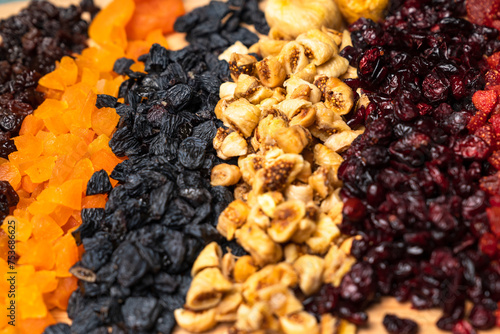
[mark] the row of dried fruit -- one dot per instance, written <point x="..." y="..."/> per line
<point x="286" y="117"/>
<point x="61" y="154"/>
<point x="282" y="118"/>
<point x="419" y="219"/>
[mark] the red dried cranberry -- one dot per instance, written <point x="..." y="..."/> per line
<point x="463" y="327"/>
<point x="354" y="209"/>
<point x="395" y="325"/>
<point x="481" y="318"/>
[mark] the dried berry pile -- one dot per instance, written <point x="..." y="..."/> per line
<point x="31" y="42"/>
<point x="411" y="181"/>
<point x="486" y="125"/>
<point x="140" y="248"/>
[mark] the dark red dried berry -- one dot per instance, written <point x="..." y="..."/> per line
<point x="395" y="325"/>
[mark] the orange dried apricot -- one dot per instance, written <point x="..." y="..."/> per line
<point x="154" y="14"/>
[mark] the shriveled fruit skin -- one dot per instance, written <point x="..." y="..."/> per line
<point x="418" y="183"/>
<point x="140" y="247"/>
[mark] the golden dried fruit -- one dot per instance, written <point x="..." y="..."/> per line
<point x="209" y="257"/>
<point x="233" y="217"/>
<point x="322" y="238"/>
<point x="297" y="88"/>
<point x="241" y="64"/>
<point x="354" y="9"/>
<point x="294" y="17"/>
<point x="271" y="72"/>
<point x="305" y="117"/>
<point x="233" y="145"/>
<point x="242" y="116"/>
<point x="206" y="289"/>
<point x="256" y="241"/>
<point x="339" y="142"/>
<point x="286" y="220"/>
<point x="310" y="269"/>
<point x="195" y="322"/>
<point x="225" y="175"/>
<point x="299" y="323"/>
<point x="293" y="57"/>
<point x="244" y="268"/>
<point x="293" y="139"/>
<point x="334" y="68"/>
<point x="269" y="201"/>
<point x="299" y="192"/>
<point x="338" y="96"/>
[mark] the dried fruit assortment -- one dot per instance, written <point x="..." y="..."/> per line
<point x="31" y="42"/>
<point x="283" y="120"/>
<point x="140" y="248"/>
<point x="279" y="184"/>
<point x="411" y="180"/>
<point x="60" y="169"/>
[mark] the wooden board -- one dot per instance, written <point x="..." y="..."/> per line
<point x="426" y="319"/>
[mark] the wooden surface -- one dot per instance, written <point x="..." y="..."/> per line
<point x="426" y="319"/>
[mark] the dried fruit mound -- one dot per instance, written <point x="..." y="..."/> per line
<point x="411" y="181"/>
<point x="140" y="248"/>
<point x="31" y="43"/>
<point x="61" y="168"/>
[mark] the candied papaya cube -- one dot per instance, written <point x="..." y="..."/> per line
<point x="61" y="214"/>
<point x="104" y="159"/>
<point x="40" y="254"/>
<point x="35" y="325"/>
<point x="56" y="125"/>
<point x="45" y="228"/>
<point x="9" y="172"/>
<point x="25" y="274"/>
<point x="66" y="254"/>
<point x="40" y="207"/>
<point x="137" y="48"/>
<point x="72" y="224"/>
<point x="157" y="36"/>
<point x="94" y="201"/>
<point x="83" y="170"/>
<point x="32" y="125"/>
<point x="22" y="228"/>
<point x="46" y="280"/>
<point x="27" y="184"/>
<point x="68" y="194"/>
<point x="87" y="135"/>
<point x="50" y="108"/>
<point x="29" y="146"/>
<point x="41" y="169"/>
<point x="89" y="76"/>
<point x="63" y="169"/>
<point x="68" y="70"/>
<point x="48" y="140"/>
<point x="100" y="143"/>
<point x="52" y="80"/>
<point x="104" y="121"/>
<point x="59" y="298"/>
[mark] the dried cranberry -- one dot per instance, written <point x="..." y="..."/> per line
<point x="481" y="318"/>
<point x="395" y="325"/>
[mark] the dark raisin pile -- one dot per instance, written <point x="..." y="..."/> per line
<point x="218" y="25"/>
<point x="411" y="181"/>
<point x="139" y="250"/>
<point x="31" y="42"/>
